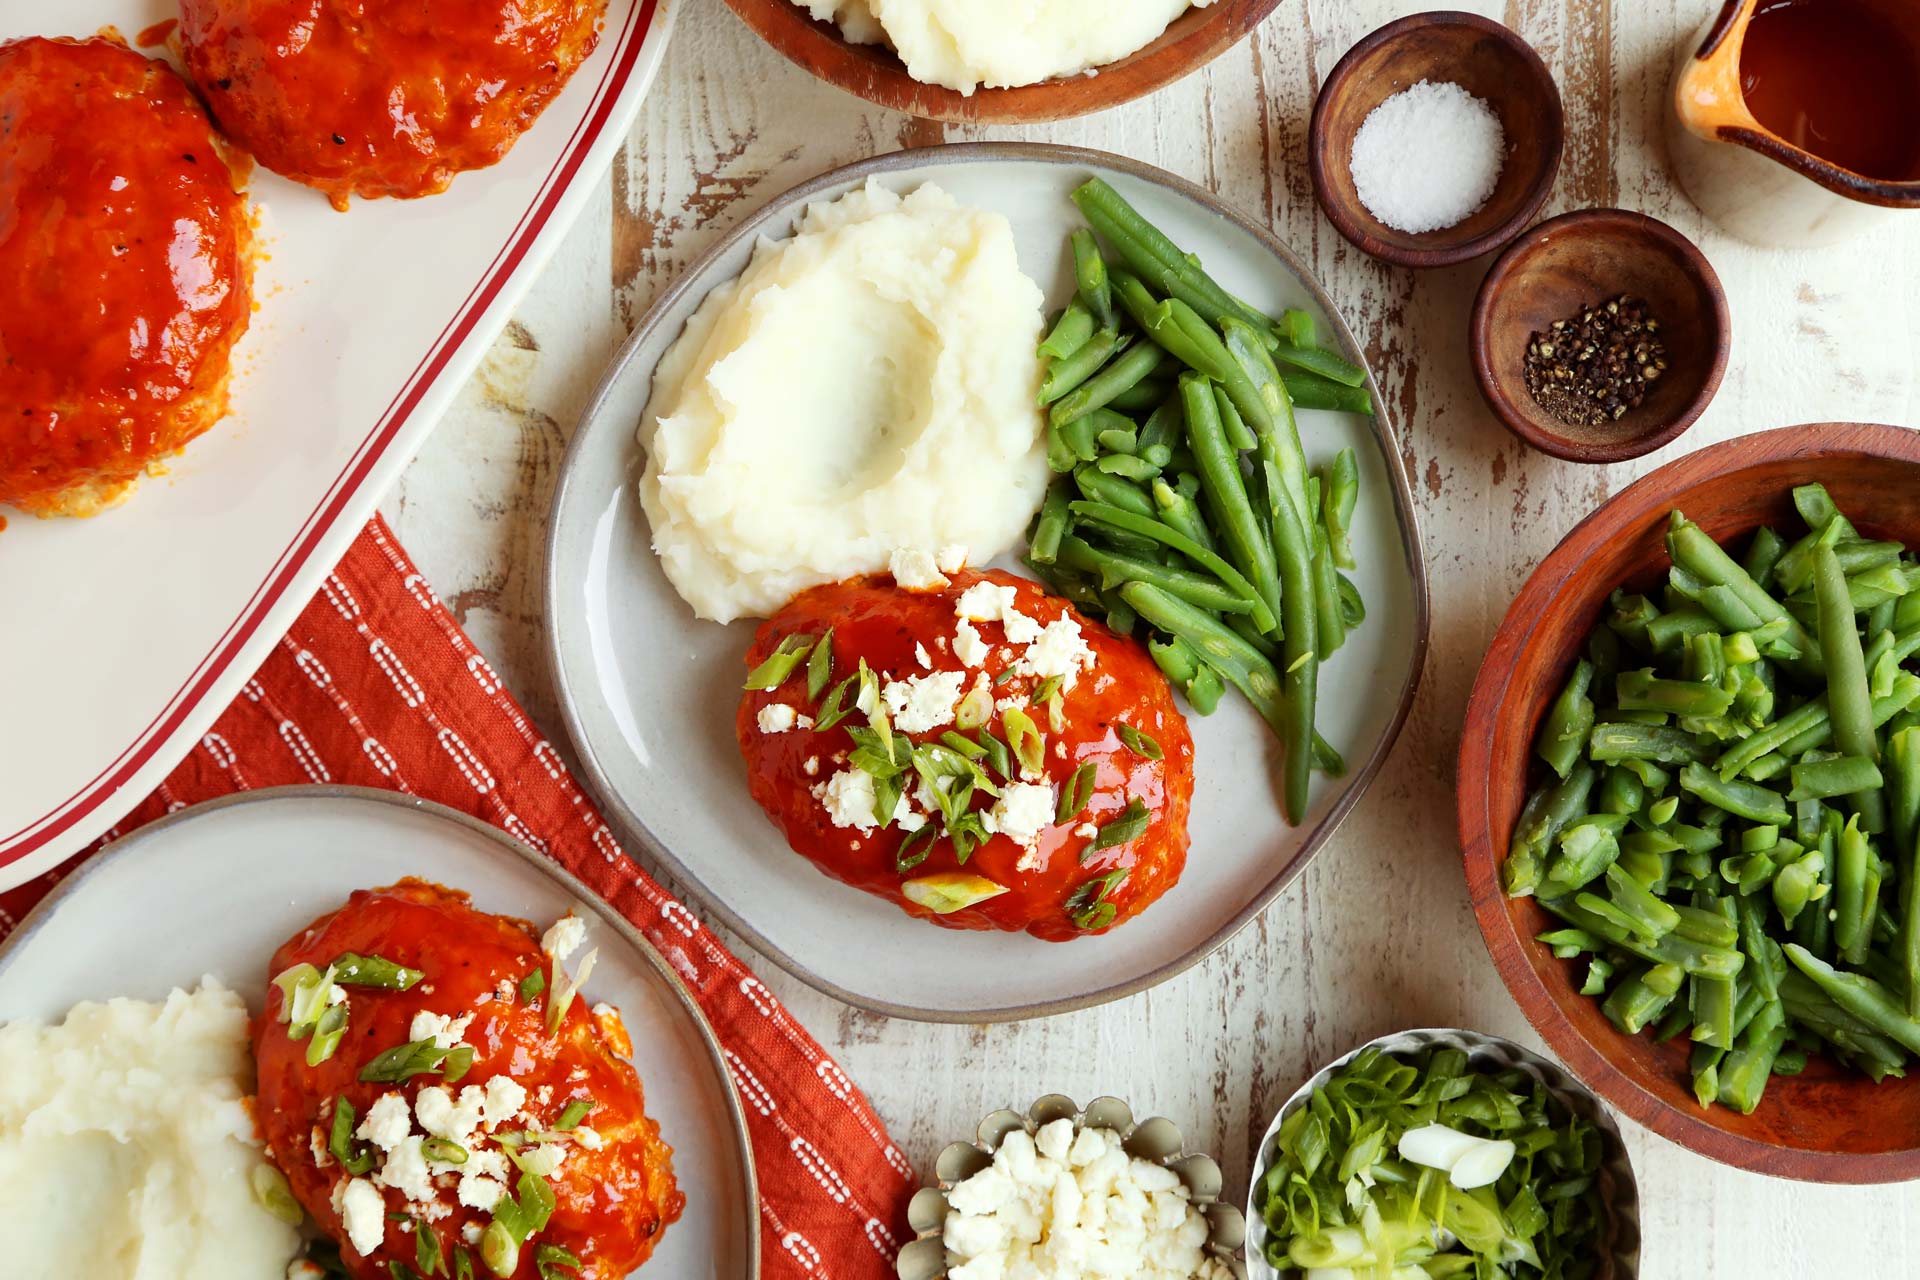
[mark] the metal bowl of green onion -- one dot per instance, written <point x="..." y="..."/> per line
<point x="1441" y="1152"/>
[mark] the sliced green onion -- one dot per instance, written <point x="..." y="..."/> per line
<point x="914" y="849"/>
<point x="499" y="1250"/>
<point x="1045" y="690"/>
<point x="835" y="708"/>
<point x="403" y="1062"/>
<point x="426" y="1248"/>
<point x="565" y="988"/>
<point x="445" y="1150"/>
<point x="820" y="666"/>
<point x="576" y="1111"/>
<point x="532" y="985"/>
<point x="271" y="1192"/>
<point x="356" y="1160"/>
<point x="1028" y="744"/>
<point x="1139" y="743"/>
<point x="327" y="1035"/>
<point x="462" y="1263"/>
<point x="354" y="970"/>
<point x="459" y="1062"/>
<point x="964" y="745"/>
<point x="290" y="982"/>
<point x="1128" y="826"/>
<point x="780" y="664"/>
<point x="549" y="1258"/>
<point x="998" y="756"/>
<point x="975" y="710"/>
<point x="1075" y="795"/>
<point x="1088" y="907"/>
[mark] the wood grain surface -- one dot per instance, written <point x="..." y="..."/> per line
<point x="1378" y="934"/>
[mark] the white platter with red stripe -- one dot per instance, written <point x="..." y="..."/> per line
<point x="123" y="637"/>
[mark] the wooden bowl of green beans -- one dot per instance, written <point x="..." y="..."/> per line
<point x="1689" y="802"/>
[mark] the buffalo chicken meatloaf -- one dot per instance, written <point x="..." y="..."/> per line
<point x="431" y="1087"/>
<point x="124" y="271"/>
<point x="973" y="750"/>
<point x="383" y="97"/>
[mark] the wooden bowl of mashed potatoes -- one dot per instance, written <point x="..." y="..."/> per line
<point x="1000" y="61"/>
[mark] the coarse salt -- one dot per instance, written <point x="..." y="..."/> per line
<point x="1428" y="157"/>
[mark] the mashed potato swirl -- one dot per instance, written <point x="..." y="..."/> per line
<point x="127" y="1146"/>
<point x="964" y="44"/>
<point x="864" y="387"/>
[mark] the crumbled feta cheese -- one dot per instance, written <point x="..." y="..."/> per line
<point x="1023" y="812"/>
<point x="968" y="646"/>
<point x="803" y="722"/>
<point x="906" y="817"/>
<point x="1059" y="650"/>
<point x="477" y="1191"/>
<point x="951" y="558"/>
<point x="472" y="1232"/>
<point x="921" y="655"/>
<point x="363" y="1211"/>
<point x="336" y="994"/>
<point x="444" y="1117"/>
<point x="317" y="1141"/>
<point x="812" y="766"/>
<point x="921" y="704"/>
<point x="565" y="937"/>
<point x="984" y="602"/>
<point x="1066" y="1204"/>
<point x="776" y="717"/>
<point x="589" y="1138"/>
<point x="387" y="1123"/>
<point x="1086" y="831"/>
<point x="916" y="570"/>
<point x="849" y="799"/>
<point x="1019" y="627"/>
<point x="445" y="1032"/>
<point x="405" y="1170"/>
<point x="504" y="1098"/>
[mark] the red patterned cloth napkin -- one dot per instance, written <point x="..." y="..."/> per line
<point x="376" y="685"/>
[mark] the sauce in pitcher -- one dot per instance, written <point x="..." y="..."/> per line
<point x="1839" y="79"/>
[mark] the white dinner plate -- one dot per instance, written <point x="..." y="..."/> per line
<point x="123" y="637"/>
<point x="649" y="692"/>
<point x="215" y="889"/>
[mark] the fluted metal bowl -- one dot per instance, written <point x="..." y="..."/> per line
<point x="1157" y="1140"/>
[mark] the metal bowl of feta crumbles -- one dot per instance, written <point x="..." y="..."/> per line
<point x="1619" y="1189"/>
<point x="1156" y="1141"/>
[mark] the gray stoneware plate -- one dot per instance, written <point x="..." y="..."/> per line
<point x="216" y="888"/>
<point x="649" y="691"/>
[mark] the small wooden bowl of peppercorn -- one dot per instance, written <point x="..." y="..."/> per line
<point x="1600" y="335"/>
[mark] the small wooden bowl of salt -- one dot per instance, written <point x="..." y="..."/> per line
<point x="1436" y="139"/>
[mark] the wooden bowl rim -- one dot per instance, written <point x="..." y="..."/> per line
<point x="1438" y="255"/>
<point x="1481" y="862"/>
<point x="837" y="62"/>
<point x="1536" y="429"/>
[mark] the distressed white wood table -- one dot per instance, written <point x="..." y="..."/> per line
<point x="1378" y="935"/>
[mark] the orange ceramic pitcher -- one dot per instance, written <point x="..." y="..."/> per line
<point x="1771" y="189"/>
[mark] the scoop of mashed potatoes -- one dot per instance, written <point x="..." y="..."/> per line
<point x="963" y="44"/>
<point x="865" y="387"/>
<point x="127" y="1145"/>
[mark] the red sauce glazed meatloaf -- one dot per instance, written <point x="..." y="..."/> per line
<point x="124" y="271"/>
<point x="612" y="1193"/>
<point x="382" y="97"/>
<point x="1111" y="732"/>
